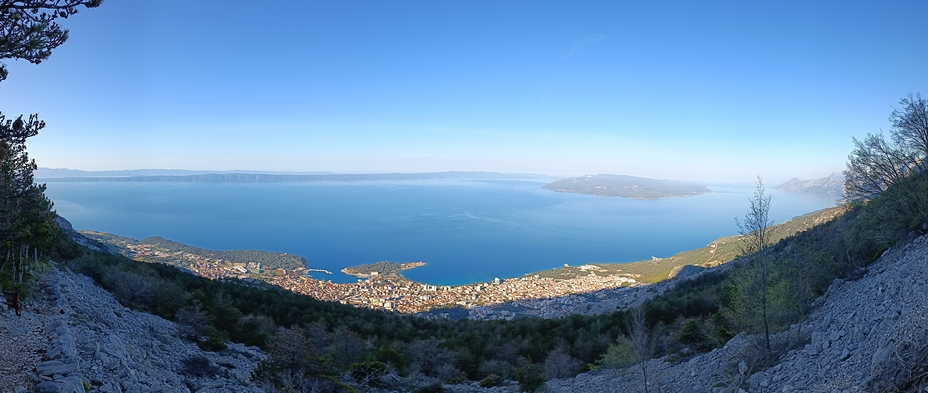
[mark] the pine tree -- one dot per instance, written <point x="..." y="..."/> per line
<point x="27" y="222"/>
<point x="28" y="31"/>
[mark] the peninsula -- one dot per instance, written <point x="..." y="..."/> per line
<point x="382" y="270"/>
<point x="626" y="186"/>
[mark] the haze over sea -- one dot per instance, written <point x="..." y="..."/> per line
<point x="465" y="230"/>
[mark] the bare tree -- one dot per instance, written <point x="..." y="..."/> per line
<point x="292" y="365"/>
<point x="347" y="347"/>
<point x="428" y="358"/>
<point x="559" y="364"/>
<point x="755" y="234"/>
<point x="874" y="165"/>
<point x="368" y="376"/>
<point x="799" y="287"/>
<point x="910" y="124"/>
<point x="755" y="229"/>
<point x="192" y="321"/>
<point x="642" y="343"/>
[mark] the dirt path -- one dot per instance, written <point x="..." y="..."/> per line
<point x="22" y="345"/>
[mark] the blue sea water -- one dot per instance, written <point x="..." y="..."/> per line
<point x="465" y="230"/>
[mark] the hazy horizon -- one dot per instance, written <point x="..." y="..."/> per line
<point x="714" y="93"/>
<point x="41" y="174"/>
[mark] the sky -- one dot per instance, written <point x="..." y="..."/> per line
<point x="716" y="92"/>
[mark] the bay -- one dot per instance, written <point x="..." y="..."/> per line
<point x="465" y="230"/>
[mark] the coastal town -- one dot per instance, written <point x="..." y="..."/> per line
<point x="392" y="292"/>
<point x="588" y="288"/>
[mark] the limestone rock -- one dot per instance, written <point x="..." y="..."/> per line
<point x="76" y="333"/>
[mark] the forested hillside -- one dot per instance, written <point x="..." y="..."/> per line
<point x="267" y="259"/>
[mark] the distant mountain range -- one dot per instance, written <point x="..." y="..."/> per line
<point x="239" y="177"/>
<point x="49" y="173"/>
<point x="832" y="184"/>
<point x="627" y="187"/>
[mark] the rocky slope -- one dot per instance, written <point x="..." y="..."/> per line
<point x="74" y="337"/>
<point x="867" y="335"/>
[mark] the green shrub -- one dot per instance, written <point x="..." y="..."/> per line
<point x="690" y="333"/>
<point x="619" y="354"/>
<point x="213" y="343"/>
<point x="529" y="376"/>
<point x="491" y="381"/>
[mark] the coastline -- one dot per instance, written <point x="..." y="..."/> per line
<point x="394" y="292"/>
<point x="468" y="231"/>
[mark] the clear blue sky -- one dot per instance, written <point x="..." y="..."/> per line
<point x="707" y="91"/>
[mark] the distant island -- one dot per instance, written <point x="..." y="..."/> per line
<point x="832" y="184"/>
<point x="292" y="178"/>
<point x="626" y="187"/>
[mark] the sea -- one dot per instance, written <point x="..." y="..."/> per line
<point x="465" y="230"/>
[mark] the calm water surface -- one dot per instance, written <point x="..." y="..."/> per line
<point x="465" y="230"/>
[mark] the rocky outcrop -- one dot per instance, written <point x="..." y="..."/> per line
<point x="74" y="337"/>
<point x="867" y="335"/>
<point x="81" y="239"/>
